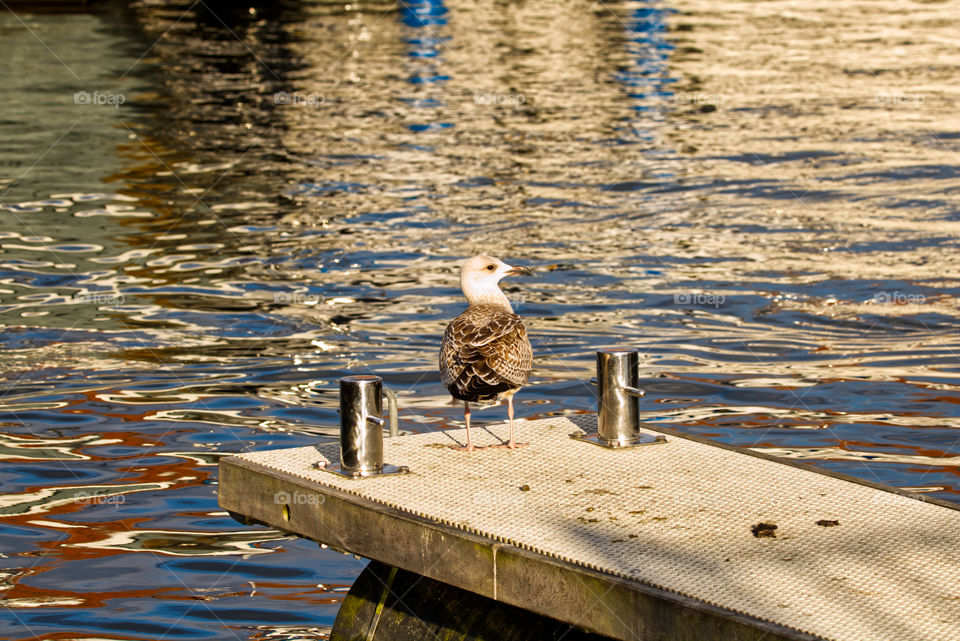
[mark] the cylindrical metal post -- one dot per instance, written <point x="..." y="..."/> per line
<point x="618" y="412"/>
<point x="361" y="431"/>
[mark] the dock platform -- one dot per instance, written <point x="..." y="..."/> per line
<point x="686" y="540"/>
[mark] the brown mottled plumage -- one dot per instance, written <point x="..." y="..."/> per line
<point x="485" y="354"/>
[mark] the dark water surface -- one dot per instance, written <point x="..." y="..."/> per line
<point x="762" y="197"/>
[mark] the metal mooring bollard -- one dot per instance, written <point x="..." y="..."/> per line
<point x="361" y="429"/>
<point x="618" y="408"/>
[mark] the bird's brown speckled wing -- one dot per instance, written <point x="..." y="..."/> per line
<point x="485" y="352"/>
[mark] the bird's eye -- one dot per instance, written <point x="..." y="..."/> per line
<point x="490" y="268"/>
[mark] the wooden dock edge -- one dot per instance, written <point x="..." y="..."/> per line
<point x="595" y="601"/>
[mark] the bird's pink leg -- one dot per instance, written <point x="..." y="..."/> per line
<point x="466" y="417"/>
<point x="511" y="444"/>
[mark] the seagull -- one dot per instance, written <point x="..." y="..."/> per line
<point x="485" y="354"/>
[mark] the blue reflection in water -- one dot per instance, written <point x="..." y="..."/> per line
<point x="427" y="18"/>
<point x="424" y="13"/>
<point x="646" y="80"/>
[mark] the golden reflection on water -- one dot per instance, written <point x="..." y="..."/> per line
<point x="761" y="198"/>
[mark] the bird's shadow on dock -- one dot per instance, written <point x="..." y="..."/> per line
<point x="455" y="442"/>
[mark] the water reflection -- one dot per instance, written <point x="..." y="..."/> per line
<point x="426" y="20"/>
<point x="283" y="199"/>
<point x="648" y="79"/>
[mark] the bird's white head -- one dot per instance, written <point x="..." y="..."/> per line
<point x="480" y="279"/>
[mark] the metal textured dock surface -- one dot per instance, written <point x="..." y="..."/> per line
<point x="653" y="542"/>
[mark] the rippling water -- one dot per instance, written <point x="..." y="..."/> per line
<point x="761" y="197"/>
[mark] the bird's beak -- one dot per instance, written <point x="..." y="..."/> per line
<point x="520" y="271"/>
